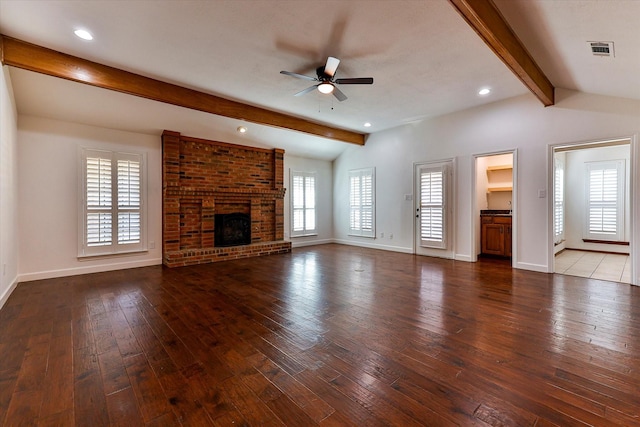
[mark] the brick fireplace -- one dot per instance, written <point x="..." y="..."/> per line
<point x="205" y="183"/>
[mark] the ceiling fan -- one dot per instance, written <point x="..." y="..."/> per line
<point x="327" y="81"/>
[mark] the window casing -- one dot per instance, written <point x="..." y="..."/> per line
<point x="303" y="204"/>
<point x="362" y="202"/>
<point x="112" y="198"/>
<point x="605" y="200"/>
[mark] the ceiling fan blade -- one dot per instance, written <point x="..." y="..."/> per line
<point x="338" y="94"/>
<point x="298" y="76"/>
<point x="331" y="66"/>
<point x="307" y="90"/>
<point x="355" y="81"/>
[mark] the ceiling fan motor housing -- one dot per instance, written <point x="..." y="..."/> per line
<point x="322" y="76"/>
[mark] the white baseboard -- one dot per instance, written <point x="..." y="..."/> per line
<point x="52" y="274"/>
<point x="301" y="243"/>
<point x="5" y="296"/>
<point x="461" y="257"/>
<point x="374" y="246"/>
<point x="533" y="267"/>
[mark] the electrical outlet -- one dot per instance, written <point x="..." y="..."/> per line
<point x="152" y="245"/>
<point x="390" y="236"/>
<point x="382" y="235"/>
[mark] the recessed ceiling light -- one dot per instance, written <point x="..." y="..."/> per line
<point x="242" y="129"/>
<point x="83" y="34"/>
<point x="367" y="125"/>
<point x="485" y="91"/>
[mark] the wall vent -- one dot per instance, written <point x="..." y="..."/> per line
<point x="601" y="48"/>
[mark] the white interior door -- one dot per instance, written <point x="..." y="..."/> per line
<point x="433" y="209"/>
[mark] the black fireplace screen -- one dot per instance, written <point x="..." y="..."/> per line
<point x="232" y="229"/>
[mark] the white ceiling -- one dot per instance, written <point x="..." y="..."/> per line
<point x="424" y="58"/>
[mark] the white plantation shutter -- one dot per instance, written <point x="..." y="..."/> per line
<point x="605" y="200"/>
<point x="354" y="203"/>
<point x="558" y="202"/>
<point x="362" y="202"/>
<point x="99" y="224"/>
<point x="303" y="203"/>
<point x="128" y="201"/>
<point x="310" y="203"/>
<point x="112" y="198"/>
<point x="297" y="200"/>
<point x="432" y="206"/>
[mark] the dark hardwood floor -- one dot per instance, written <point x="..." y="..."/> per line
<point x="329" y="335"/>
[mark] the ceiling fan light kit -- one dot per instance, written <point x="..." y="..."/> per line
<point x="325" y="87"/>
<point x="328" y="82"/>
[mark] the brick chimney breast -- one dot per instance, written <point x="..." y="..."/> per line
<point x="202" y="178"/>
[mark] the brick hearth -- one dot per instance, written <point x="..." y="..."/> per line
<point x="201" y="178"/>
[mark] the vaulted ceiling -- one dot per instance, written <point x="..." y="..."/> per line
<point x="424" y="57"/>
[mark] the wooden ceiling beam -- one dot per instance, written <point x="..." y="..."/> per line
<point x="486" y="20"/>
<point x="20" y="54"/>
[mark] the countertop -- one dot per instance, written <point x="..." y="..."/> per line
<point x="495" y="212"/>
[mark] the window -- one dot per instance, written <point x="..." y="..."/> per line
<point x="432" y="206"/>
<point x="558" y="202"/>
<point x="362" y="202"/>
<point x="303" y="204"/>
<point x="605" y="200"/>
<point x="112" y="219"/>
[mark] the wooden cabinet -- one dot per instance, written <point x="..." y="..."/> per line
<point x="507" y="240"/>
<point x="496" y="235"/>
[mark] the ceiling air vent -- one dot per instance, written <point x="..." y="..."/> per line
<point x="602" y="48"/>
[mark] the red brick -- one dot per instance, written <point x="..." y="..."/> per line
<point x="202" y="178"/>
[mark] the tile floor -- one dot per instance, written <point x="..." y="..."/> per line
<point x="596" y="265"/>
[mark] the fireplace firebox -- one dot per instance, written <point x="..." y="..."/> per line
<point x="232" y="229"/>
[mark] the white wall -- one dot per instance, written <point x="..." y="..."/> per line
<point x="520" y="123"/>
<point x="47" y="179"/>
<point x="48" y="202"/>
<point x="8" y="188"/>
<point x="392" y="156"/>
<point x="576" y="200"/>
<point x="324" y="207"/>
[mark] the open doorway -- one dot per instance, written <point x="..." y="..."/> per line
<point x="494" y="195"/>
<point x="592" y="210"/>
